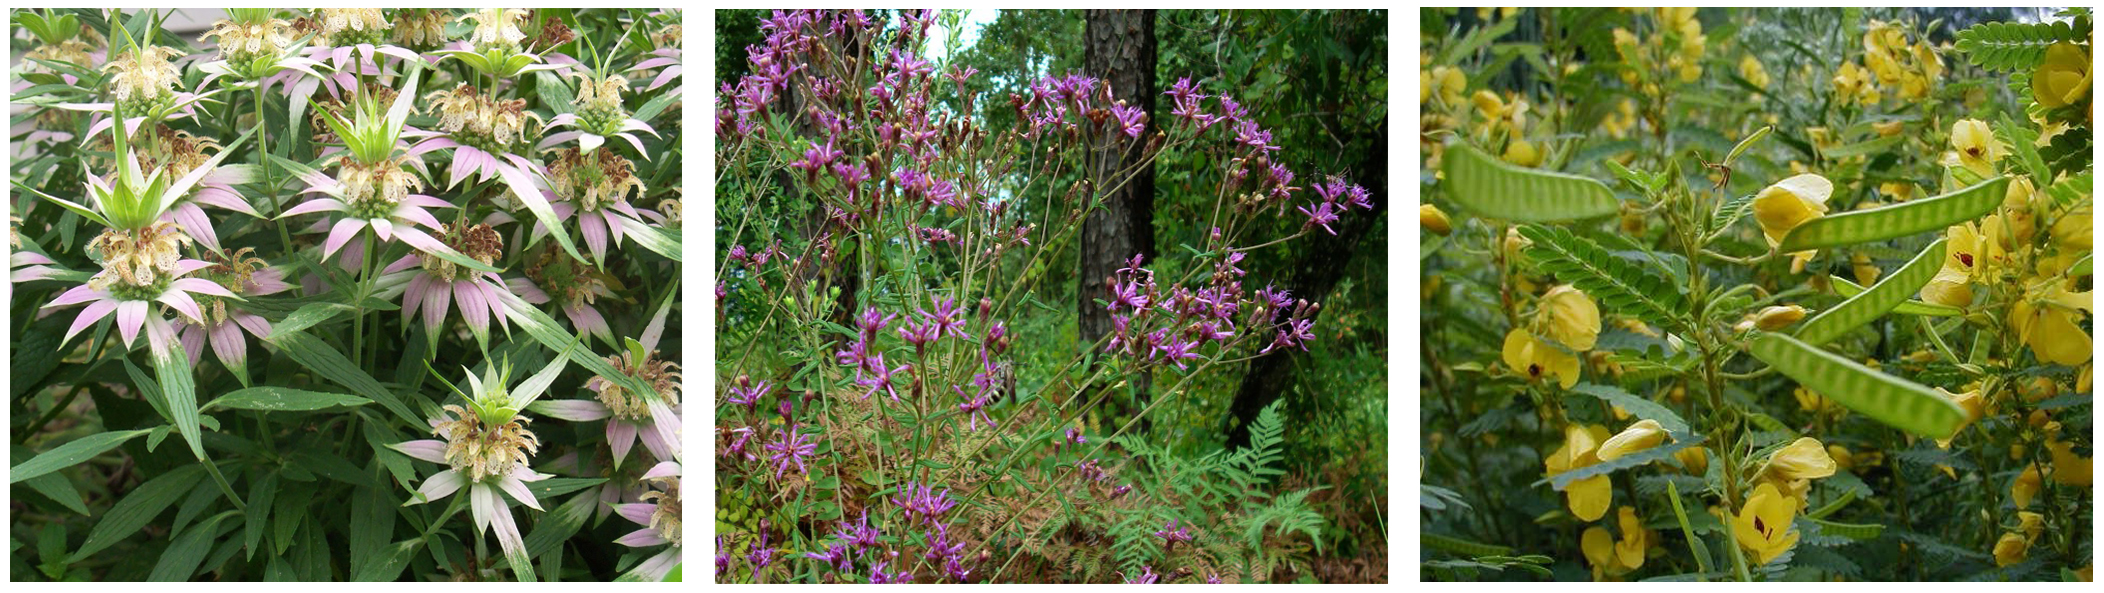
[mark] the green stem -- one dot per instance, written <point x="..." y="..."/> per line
<point x="270" y="183"/>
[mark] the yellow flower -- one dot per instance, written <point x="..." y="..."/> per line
<point x="1751" y="70"/>
<point x="1589" y="498"/>
<point x="1802" y="459"/>
<point x="1763" y="524"/>
<point x="1523" y="153"/>
<point x="1693" y="459"/>
<point x="1931" y="64"/>
<point x="2009" y="550"/>
<point x="1599" y="548"/>
<point x="1975" y="407"/>
<point x="2070" y="468"/>
<point x="1789" y="203"/>
<point x="2026" y="486"/>
<point x="1569" y="317"/>
<point x="1488" y="104"/>
<point x="1644" y="434"/>
<point x="1537" y="360"/>
<point x="2033" y="524"/>
<point x="1778" y="317"/>
<point x="1433" y="220"/>
<point x="1843" y="460"/>
<point x="1977" y="148"/>
<point x="2063" y="77"/>
<point x="1629" y="553"/>
<point x="1949" y="288"/>
<point x="1848" y="81"/>
<point x="1866" y="272"/>
<point x="1812" y="401"/>
<point x="2072" y="231"/>
<point x="2049" y="322"/>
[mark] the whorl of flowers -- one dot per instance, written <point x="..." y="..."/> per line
<point x="662" y="376"/>
<point x="598" y="101"/>
<point x="495" y="28"/>
<point x="665" y="518"/>
<point x="593" y="179"/>
<point x="569" y="282"/>
<point x="340" y="27"/>
<point x="420" y="29"/>
<point x="144" y="77"/>
<point x="485" y="446"/>
<point x="480" y="121"/>
<point x="477" y="241"/>
<point x="177" y="151"/>
<point x="233" y="270"/>
<point x="143" y="259"/>
<point x="247" y="39"/>
<point x="373" y="190"/>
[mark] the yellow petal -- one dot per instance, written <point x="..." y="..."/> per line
<point x="1570" y="317"/>
<point x="2070" y="468"/>
<point x="2009" y="550"/>
<point x="1590" y="497"/>
<point x="1598" y="546"/>
<point x="1802" y="459"/>
<point x="1791" y="202"/>
<point x="1644" y="434"/>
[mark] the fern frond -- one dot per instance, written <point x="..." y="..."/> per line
<point x="1619" y="285"/>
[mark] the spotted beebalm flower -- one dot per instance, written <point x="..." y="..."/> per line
<point x="484" y="132"/>
<point x="597" y="114"/>
<point x="652" y="416"/>
<point x="494" y="47"/>
<point x="554" y="277"/>
<point x="253" y="45"/>
<point x="144" y="87"/>
<point x="221" y="323"/>
<point x="660" y="518"/>
<point x="141" y="255"/>
<point x="432" y="284"/>
<point x="594" y="187"/>
<point x="666" y="56"/>
<point x="486" y="446"/>
<point x="351" y="41"/>
<point x="181" y="153"/>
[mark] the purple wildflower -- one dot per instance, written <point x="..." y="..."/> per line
<point x="947" y="318"/>
<point x="793" y="448"/>
<point x="922" y="502"/>
<point x="1295" y="333"/>
<point x="836" y="555"/>
<point x="940" y="546"/>
<point x="1171" y="534"/>
<point x="748" y="394"/>
<point x="1147" y="577"/>
<point x="880" y="377"/>
<point x="1323" y="214"/>
<point x="974" y="408"/>
<point x="1131" y="120"/>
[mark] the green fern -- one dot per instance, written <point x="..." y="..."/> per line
<point x="1619" y="285"/>
<point x="1290" y="514"/>
<point x="2017" y="46"/>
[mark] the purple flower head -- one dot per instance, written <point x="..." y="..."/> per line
<point x="937" y="235"/>
<point x="1128" y="295"/>
<point x="919" y="334"/>
<point x="737" y="253"/>
<point x="1119" y="325"/>
<point x="1176" y="350"/>
<point x="1132" y="120"/>
<point x="723" y="556"/>
<point x="817" y="158"/>
<point x="948" y="319"/>
<point x="956" y="570"/>
<point x="851" y="175"/>
<point x="793" y="448"/>
<point x="858" y="534"/>
<point x="923" y="503"/>
<point x="1248" y="133"/>
<point x="1294" y="333"/>
<point x="1358" y="197"/>
<point x="959" y="75"/>
<point x="836" y="555"/>
<point x="748" y="394"/>
<point x="880" y="377"/>
<point x="910" y="65"/>
<point x="1120" y="490"/>
<point x="856" y="355"/>
<point x="1217" y="331"/>
<point x="1183" y="90"/>
<point x="1074" y="436"/>
<point x="1147" y="577"/>
<point x="1323" y="214"/>
<point x="940" y="546"/>
<point x="997" y="335"/>
<point x="1093" y="471"/>
<point x="1171" y="534"/>
<point x="760" y="554"/>
<point x="877" y="576"/>
<point x="1233" y="109"/>
<point x="975" y="408"/>
<point x="1212" y="578"/>
<point x="740" y="438"/>
<point x="1278" y="298"/>
<point x="871" y="321"/>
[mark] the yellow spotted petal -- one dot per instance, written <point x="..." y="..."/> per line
<point x="1763" y="524"/>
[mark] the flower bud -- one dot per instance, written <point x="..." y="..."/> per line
<point x="1433" y="220"/>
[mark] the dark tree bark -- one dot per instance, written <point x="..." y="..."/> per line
<point x="1120" y="50"/>
<point x="1320" y="262"/>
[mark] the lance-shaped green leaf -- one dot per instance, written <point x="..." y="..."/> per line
<point x="1872" y="146"/>
<point x="1621" y="286"/>
<point x="665" y="242"/>
<point x="1876" y="302"/>
<point x="519" y="178"/>
<point x="1497" y="189"/>
<point x="179" y="389"/>
<point x="1908" y="307"/>
<point x="1642" y="408"/>
<point x="1897" y="220"/>
<point x="70" y="454"/>
<point x="1896" y="402"/>
<point x="327" y="363"/>
<point x="284" y="399"/>
<point x="137" y="508"/>
<point x="1658" y="453"/>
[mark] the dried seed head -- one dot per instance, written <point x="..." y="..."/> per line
<point x="477" y="241"/>
<point x="476" y="120"/>
<point x="373" y="191"/>
<point x="420" y="29"/>
<point x="143" y="77"/>
<point x="341" y="27"/>
<point x="665" y="520"/>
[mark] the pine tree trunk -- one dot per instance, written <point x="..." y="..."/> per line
<point x="1121" y="51"/>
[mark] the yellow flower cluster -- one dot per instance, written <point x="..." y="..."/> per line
<point x="1614" y="558"/>
<point x="1676" y="47"/>
<point x="1910" y="70"/>
<point x="1565" y="315"/>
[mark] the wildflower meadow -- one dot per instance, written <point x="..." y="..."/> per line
<point x="1084" y="296"/>
<point x="1756" y="294"/>
<point x="346" y="294"/>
